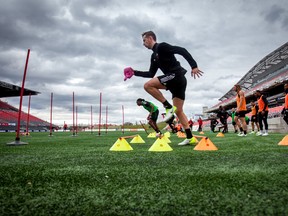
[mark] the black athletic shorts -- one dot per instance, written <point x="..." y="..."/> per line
<point x="254" y="118"/>
<point x="154" y="115"/>
<point x="176" y="83"/>
<point x="241" y="114"/>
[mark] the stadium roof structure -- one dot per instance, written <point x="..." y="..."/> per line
<point x="271" y="71"/>
<point x="10" y="90"/>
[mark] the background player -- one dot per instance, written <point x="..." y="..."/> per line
<point x="153" y="114"/>
<point x="240" y="111"/>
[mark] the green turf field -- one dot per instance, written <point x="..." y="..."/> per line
<point x="64" y="175"/>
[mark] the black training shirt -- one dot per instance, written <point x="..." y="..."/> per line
<point x="163" y="57"/>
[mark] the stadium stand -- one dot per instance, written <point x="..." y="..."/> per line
<point x="9" y="114"/>
<point x="268" y="76"/>
<point x="9" y="120"/>
<point x="10" y="90"/>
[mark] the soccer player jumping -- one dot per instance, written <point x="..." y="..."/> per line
<point x="174" y="79"/>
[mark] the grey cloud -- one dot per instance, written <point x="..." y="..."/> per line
<point x="274" y="14"/>
<point x="277" y="14"/>
<point x="83" y="46"/>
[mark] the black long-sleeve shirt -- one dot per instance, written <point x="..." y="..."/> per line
<point x="163" y="57"/>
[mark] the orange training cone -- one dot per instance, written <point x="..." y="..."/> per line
<point x="284" y="141"/>
<point x="220" y="134"/>
<point x="201" y="132"/>
<point x="205" y="144"/>
<point x="181" y="134"/>
<point x="121" y="145"/>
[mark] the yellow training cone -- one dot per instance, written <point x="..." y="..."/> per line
<point x="152" y="135"/>
<point x="167" y="134"/>
<point x="205" y="144"/>
<point x="160" y="145"/>
<point x="137" y="139"/>
<point x="284" y="141"/>
<point x="166" y="139"/>
<point x="220" y="134"/>
<point x="121" y="145"/>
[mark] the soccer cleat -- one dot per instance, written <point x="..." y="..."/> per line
<point x="159" y="135"/>
<point x="259" y="133"/>
<point x="265" y="134"/>
<point x="242" y="135"/>
<point x="252" y="132"/>
<point x="190" y="141"/>
<point x="184" y="142"/>
<point x="169" y="113"/>
<point x="193" y="141"/>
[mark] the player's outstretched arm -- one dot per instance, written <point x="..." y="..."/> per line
<point x="128" y="73"/>
<point x="196" y="72"/>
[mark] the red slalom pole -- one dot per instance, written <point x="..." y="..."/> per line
<point x="100" y="114"/>
<point x="73" y="130"/>
<point x="122" y="119"/>
<point x="51" y="104"/>
<point x="21" y="97"/>
<point x="28" y="116"/>
<point x="91" y="120"/>
<point x="76" y="121"/>
<point x="106" y="118"/>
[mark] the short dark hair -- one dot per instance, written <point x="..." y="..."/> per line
<point x="140" y="100"/>
<point x="149" y="33"/>
<point x="238" y="87"/>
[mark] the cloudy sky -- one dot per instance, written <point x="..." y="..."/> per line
<point x="82" y="46"/>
